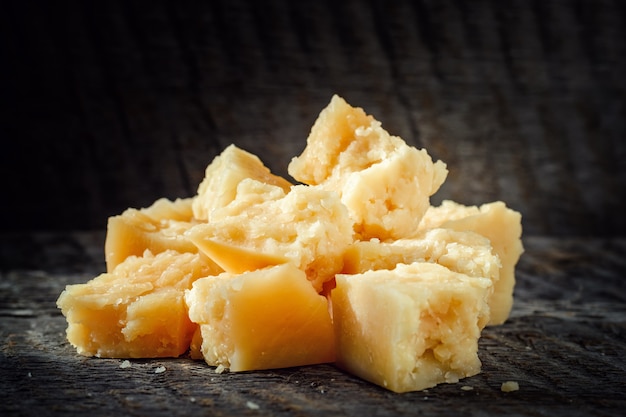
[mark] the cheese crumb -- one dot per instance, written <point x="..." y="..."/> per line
<point x="159" y="370"/>
<point x="467" y="388"/>
<point x="509" y="386"/>
<point x="125" y="364"/>
<point x="252" y="406"/>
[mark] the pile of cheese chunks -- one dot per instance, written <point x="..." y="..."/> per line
<point x="348" y="264"/>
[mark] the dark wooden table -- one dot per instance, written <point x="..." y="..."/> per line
<point x="565" y="345"/>
<point x="114" y="105"/>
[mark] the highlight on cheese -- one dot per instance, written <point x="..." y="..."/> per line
<point x="347" y="263"/>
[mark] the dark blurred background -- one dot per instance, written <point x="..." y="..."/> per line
<point x="109" y="105"/>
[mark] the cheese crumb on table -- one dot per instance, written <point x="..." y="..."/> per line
<point x="252" y="405"/>
<point x="509" y="386"/>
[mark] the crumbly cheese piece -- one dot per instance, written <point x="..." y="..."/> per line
<point x="509" y="386"/>
<point x="269" y="318"/>
<point x="157" y="228"/>
<point x="503" y="227"/>
<point x="136" y="311"/>
<point x="448" y="210"/>
<point x="388" y="199"/>
<point x="224" y="173"/>
<point x="461" y="251"/>
<point x="385" y="184"/>
<point x="409" y="328"/>
<point x="263" y="226"/>
<point x="330" y="136"/>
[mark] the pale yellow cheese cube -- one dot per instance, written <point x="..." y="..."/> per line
<point x="138" y="309"/>
<point x="157" y="228"/>
<point x="224" y="173"/>
<point x="409" y="328"/>
<point x="263" y="226"/>
<point x="385" y="184"/>
<point x="333" y="131"/>
<point x="503" y="227"/>
<point x="388" y="199"/>
<point x="465" y="252"/>
<point x="269" y="318"/>
<point x="448" y="210"/>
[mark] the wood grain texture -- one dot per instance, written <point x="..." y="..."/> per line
<point x="564" y="344"/>
<point x="113" y="105"/>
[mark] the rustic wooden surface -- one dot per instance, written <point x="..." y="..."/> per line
<point x="565" y="344"/>
<point x="113" y="105"/>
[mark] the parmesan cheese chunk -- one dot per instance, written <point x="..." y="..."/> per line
<point x="224" y="173"/>
<point x="385" y="184"/>
<point x="136" y="311"/>
<point x="503" y="227"/>
<point x="464" y="252"/>
<point x="263" y="226"/>
<point x="269" y="318"/>
<point x="409" y="328"/>
<point x="157" y="228"/>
